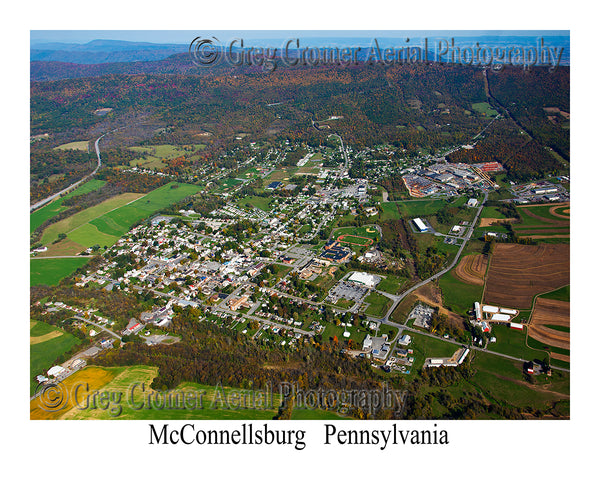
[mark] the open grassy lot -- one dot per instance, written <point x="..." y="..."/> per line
<point x="63" y="248"/>
<point x="335" y="331"/>
<point x="426" y="347"/>
<point x="204" y="402"/>
<point x="47" y="343"/>
<point x="378" y="304"/>
<point x="118" y="221"/>
<point x="73" y="222"/>
<point x="50" y="271"/>
<point x="89" y="235"/>
<point x="258" y="202"/>
<point x="491" y="212"/>
<point x="420" y="208"/>
<point x="484" y="108"/>
<point x="389" y="211"/>
<point x="48" y="211"/>
<point x="156" y="154"/>
<point x="502" y="380"/>
<point x="82" y="145"/>
<point x="512" y="342"/>
<point x="103" y="224"/>
<point x="459" y="296"/>
<point x="391" y="284"/>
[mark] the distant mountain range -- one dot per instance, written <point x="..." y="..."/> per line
<point x="103" y="51"/>
<point x="52" y="61"/>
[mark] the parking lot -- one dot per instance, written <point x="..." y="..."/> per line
<point x="347" y="290"/>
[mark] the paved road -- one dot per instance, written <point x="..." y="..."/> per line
<point x="73" y="185"/>
<point x="467" y="237"/>
<point x="97" y="325"/>
<point x="451" y="340"/>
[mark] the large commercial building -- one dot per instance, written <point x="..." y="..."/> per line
<point x="420" y="225"/>
<point x="364" y="278"/>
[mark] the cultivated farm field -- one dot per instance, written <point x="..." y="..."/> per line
<point x="545" y="221"/>
<point x="471" y="269"/>
<point x="519" y="272"/>
<point x="550" y="323"/>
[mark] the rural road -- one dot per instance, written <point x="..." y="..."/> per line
<point x="98" y="326"/>
<point x="64" y="191"/>
<point x="402" y="296"/>
<point x="46" y="200"/>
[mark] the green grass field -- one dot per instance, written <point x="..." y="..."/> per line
<point x="502" y="379"/>
<point x="82" y="145"/>
<point x="48" y="211"/>
<point x="421" y="208"/>
<point x="378" y="304"/>
<point x="103" y="224"/>
<point x="426" y="347"/>
<point x="50" y="271"/>
<point x="491" y="212"/>
<point x="391" y="284"/>
<point x="205" y="402"/>
<point x="389" y="211"/>
<point x="563" y="294"/>
<point x="155" y="154"/>
<point x="512" y="342"/>
<point x="73" y="222"/>
<point x="484" y="108"/>
<point x="459" y="296"/>
<point x="42" y="355"/>
<point x="258" y="202"/>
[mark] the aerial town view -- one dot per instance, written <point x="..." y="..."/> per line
<point x="249" y="238"/>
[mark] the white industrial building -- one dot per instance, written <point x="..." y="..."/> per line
<point x="420" y="225"/>
<point x="364" y="278"/>
<point x="478" y="314"/>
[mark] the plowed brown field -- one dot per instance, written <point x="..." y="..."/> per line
<point x="519" y="272"/>
<point x="550" y="312"/>
<point x="471" y="269"/>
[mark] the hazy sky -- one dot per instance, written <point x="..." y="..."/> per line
<point x="185" y="36"/>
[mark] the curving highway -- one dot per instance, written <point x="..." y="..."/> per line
<point x="64" y="191"/>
